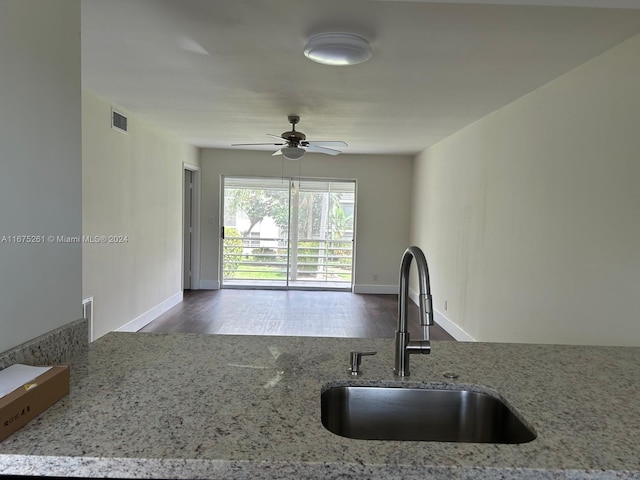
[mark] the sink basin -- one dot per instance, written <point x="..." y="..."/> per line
<point x="422" y="414"/>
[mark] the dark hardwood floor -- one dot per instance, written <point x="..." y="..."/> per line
<point x="288" y="313"/>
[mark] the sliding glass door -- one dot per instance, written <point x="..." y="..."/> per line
<point x="321" y="230"/>
<point x="287" y="233"/>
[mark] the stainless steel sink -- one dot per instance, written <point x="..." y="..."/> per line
<point x="399" y="413"/>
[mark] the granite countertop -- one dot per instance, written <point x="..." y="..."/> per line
<point x="148" y="405"/>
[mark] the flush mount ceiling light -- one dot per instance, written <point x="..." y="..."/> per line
<point x="338" y="49"/>
<point x="292" y="153"/>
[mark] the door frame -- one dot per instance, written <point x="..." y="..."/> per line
<point x="195" y="224"/>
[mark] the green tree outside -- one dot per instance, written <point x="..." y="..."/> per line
<point x="232" y="248"/>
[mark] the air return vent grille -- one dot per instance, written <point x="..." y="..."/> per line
<point x="118" y="121"/>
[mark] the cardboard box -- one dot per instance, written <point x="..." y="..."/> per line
<point x="27" y="402"/>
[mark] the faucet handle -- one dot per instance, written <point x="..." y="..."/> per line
<point x="355" y="360"/>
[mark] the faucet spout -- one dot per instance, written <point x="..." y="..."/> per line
<point x="403" y="345"/>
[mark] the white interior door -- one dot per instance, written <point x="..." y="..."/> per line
<point x="187" y="240"/>
<point x="191" y="228"/>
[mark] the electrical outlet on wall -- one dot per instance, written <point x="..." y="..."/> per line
<point x="375" y="277"/>
<point x="446" y="305"/>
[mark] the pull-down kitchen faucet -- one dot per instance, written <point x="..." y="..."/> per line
<point x="403" y="346"/>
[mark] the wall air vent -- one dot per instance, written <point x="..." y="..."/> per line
<point x="118" y="121"/>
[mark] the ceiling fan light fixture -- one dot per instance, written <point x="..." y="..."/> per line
<point x="338" y="49"/>
<point x="292" y="153"/>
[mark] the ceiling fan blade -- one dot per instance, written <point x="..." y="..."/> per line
<point x="319" y="149"/>
<point x="328" y="143"/>
<point x="246" y="144"/>
<point x="275" y="136"/>
<point x="277" y="152"/>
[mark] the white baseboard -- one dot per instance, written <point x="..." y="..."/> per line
<point x="375" y="289"/>
<point x="451" y="328"/>
<point x="151" y="314"/>
<point x="209" y="285"/>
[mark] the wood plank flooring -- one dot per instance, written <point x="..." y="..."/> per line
<point x="288" y="313"/>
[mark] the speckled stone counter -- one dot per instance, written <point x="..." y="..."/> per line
<point x="57" y="346"/>
<point x="245" y="407"/>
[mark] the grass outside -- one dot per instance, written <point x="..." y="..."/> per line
<point x="254" y="272"/>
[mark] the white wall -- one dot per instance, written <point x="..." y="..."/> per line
<point x="383" y="206"/>
<point x="40" y="166"/>
<point x="132" y="186"/>
<point x="529" y="217"/>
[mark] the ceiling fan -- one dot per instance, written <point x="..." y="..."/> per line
<point x="295" y="143"/>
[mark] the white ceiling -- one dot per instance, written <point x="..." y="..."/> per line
<point x="217" y="72"/>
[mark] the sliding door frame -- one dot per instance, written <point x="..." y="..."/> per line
<point x="292" y="234"/>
